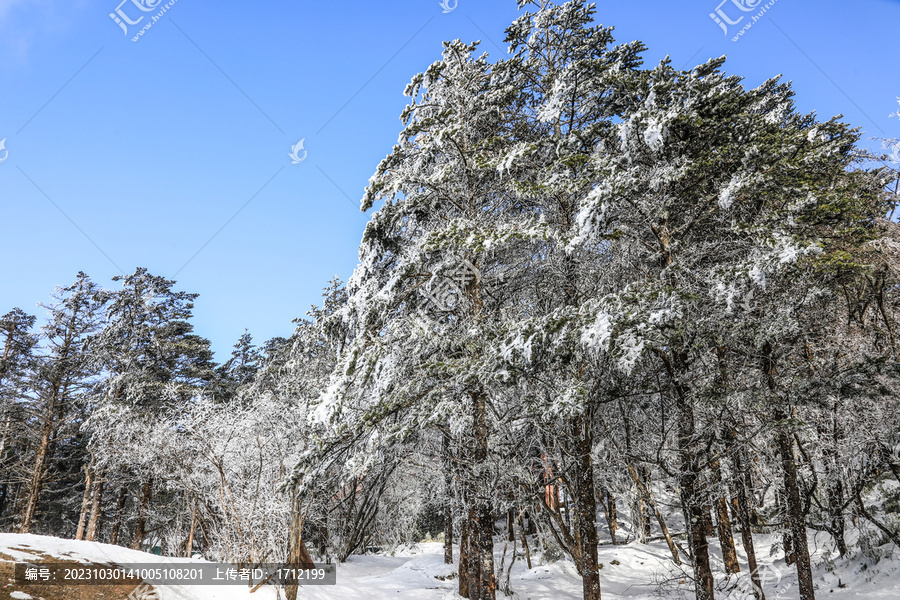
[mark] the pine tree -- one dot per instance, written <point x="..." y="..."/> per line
<point x="16" y="364"/>
<point x="154" y="366"/>
<point x="64" y="377"/>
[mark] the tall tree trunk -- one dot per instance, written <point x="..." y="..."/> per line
<point x="586" y="510"/>
<point x="448" y="534"/>
<point x="608" y="501"/>
<point x="117" y="518"/>
<point x="784" y="441"/>
<point x="836" y="508"/>
<point x="723" y="523"/>
<point x="648" y="498"/>
<point x="85" y="502"/>
<point x="741" y="503"/>
<point x="524" y="535"/>
<point x="189" y="545"/>
<point x="473" y="556"/>
<point x="140" y="529"/>
<point x="835" y="487"/>
<point x="94" y="522"/>
<point x="40" y="464"/>
<point x="448" y="500"/>
<point x="794" y="505"/>
<point x="481" y="531"/>
<point x="463" y="567"/>
<point x="695" y="510"/>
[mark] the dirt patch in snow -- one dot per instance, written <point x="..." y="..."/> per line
<point x="39" y="591"/>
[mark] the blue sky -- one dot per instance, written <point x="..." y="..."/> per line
<point x="171" y="152"/>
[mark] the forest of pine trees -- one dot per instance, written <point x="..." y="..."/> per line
<point x="589" y="287"/>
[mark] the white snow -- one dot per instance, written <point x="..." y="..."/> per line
<point x="630" y="572"/>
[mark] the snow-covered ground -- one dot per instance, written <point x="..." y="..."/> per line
<point x="632" y="572"/>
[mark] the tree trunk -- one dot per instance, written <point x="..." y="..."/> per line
<point x="648" y="498"/>
<point x="785" y="444"/>
<point x="298" y="555"/>
<point x="40" y="463"/>
<point x="117" y="519"/>
<point x="481" y="528"/>
<point x="85" y="502"/>
<point x="524" y="535"/>
<point x="695" y="512"/>
<point x="608" y="501"/>
<point x="741" y="502"/>
<point x="463" y="568"/>
<point x="723" y="523"/>
<point x="795" y="513"/>
<point x="835" y="486"/>
<point x="189" y="545"/>
<point x="586" y="510"/>
<point x="140" y="529"/>
<point x="448" y="501"/>
<point x="448" y="534"/>
<point x="94" y="522"/>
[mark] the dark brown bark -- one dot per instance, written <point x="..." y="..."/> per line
<point x="741" y="504"/>
<point x="707" y="522"/>
<point x="463" y="568"/>
<point x="41" y="457"/>
<point x="140" y="530"/>
<point x="448" y="534"/>
<point x="784" y="441"/>
<point x="482" y="582"/>
<point x="608" y="501"/>
<point x="448" y="499"/>
<point x="524" y="535"/>
<point x="586" y="510"/>
<point x="723" y="523"/>
<point x="36" y="483"/>
<point x="836" y="508"/>
<point x="688" y="475"/>
<point x="117" y="518"/>
<point x="797" y="523"/>
<point x="835" y="486"/>
<point x="695" y="510"/>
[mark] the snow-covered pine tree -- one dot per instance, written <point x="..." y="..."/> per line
<point x="574" y="83"/>
<point x="64" y="377"/>
<point x="153" y="364"/>
<point x="16" y="369"/>
<point x="713" y="195"/>
<point x="239" y="370"/>
<point x="422" y="303"/>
